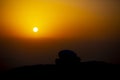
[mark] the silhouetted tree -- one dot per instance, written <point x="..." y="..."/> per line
<point x="67" y="57"/>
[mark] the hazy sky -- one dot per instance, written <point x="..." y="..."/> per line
<point x="89" y="27"/>
<point x="63" y="18"/>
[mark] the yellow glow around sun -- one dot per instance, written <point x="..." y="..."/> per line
<point x="21" y="18"/>
<point x="35" y="29"/>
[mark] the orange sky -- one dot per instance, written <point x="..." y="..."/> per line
<point x="89" y="27"/>
<point x="59" y="18"/>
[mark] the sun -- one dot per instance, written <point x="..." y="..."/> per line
<point x="35" y="29"/>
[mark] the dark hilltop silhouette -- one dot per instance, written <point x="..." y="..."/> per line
<point x="67" y="57"/>
<point x="67" y="63"/>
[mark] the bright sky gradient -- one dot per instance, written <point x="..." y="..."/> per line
<point x="59" y="18"/>
<point x="89" y="27"/>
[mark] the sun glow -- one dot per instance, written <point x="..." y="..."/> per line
<point x="46" y="18"/>
<point x="35" y="29"/>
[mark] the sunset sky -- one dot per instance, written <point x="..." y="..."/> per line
<point x="59" y="18"/>
<point x="62" y="24"/>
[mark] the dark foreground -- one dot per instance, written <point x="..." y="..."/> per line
<point x="100" y="69"/>
<point x="68" y="64"/>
